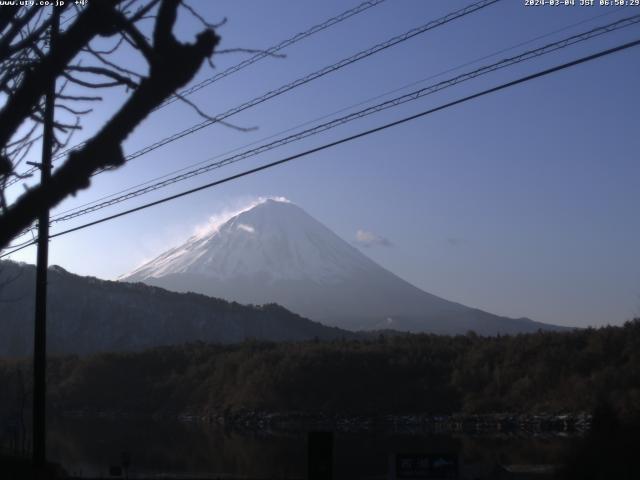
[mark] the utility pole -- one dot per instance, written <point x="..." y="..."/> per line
<point x="40" y="331"/>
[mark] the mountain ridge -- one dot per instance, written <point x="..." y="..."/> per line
<point x="276" y="252"/>
<point x="87" y="315"/>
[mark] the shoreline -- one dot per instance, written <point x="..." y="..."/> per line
<point x="254" y="420"/>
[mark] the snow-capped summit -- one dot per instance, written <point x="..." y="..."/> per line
<point x="275" y="252"/>
<point x="275" y="240"/>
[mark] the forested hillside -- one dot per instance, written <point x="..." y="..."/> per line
<point x="543" y="372"/>
<point x="89" y="315"/>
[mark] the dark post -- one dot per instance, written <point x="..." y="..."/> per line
<point x="40" y="332"/>
<point x="320" y="456"/>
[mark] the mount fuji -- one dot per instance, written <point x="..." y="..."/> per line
<point x="275" y="252"/>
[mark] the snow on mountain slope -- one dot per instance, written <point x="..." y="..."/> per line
<point x="276" y="252"/>
<point x="275" y="239"/>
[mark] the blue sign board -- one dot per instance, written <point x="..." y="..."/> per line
<point x="424" y="466"/>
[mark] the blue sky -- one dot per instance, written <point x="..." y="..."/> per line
<point x="522" y="203"/>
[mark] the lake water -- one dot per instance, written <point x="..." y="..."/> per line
<point x="88" y="447"/>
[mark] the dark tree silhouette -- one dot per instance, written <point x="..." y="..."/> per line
<point x="81" y="63"/>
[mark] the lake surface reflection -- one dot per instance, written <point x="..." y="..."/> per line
<point x="88" y="447"/>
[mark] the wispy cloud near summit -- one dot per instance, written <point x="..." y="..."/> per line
<point x="225" y="214"/>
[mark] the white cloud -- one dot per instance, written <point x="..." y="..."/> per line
<point x="225" y="214"/>
<point x="370" y="239"/>
<point x="246" y="228"/>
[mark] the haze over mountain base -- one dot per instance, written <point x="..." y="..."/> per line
<point x="276" y="252"/>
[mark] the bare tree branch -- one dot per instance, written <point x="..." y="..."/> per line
<point x="199" y="111"/>
<point x="172" y="65"/>
<point x="19" y="105"/>
<point x="118" y="78"/>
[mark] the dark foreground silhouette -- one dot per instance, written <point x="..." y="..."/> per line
<point x="607" y="452"/>
<point x="592" y="370"/>
<point x="546" y="372"/>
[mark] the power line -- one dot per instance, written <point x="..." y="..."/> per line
<point x="97" y="205"/>
<point x="315" y="75"/>
<point x="304" y="80"/>
<point x="273" y="50"/>
<point x="239" y="66"/>
<point x="344" y="109"/>
<point x="25" y="243"/>
<point x="412" y="96"/>
<point x="350" y="138"/>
